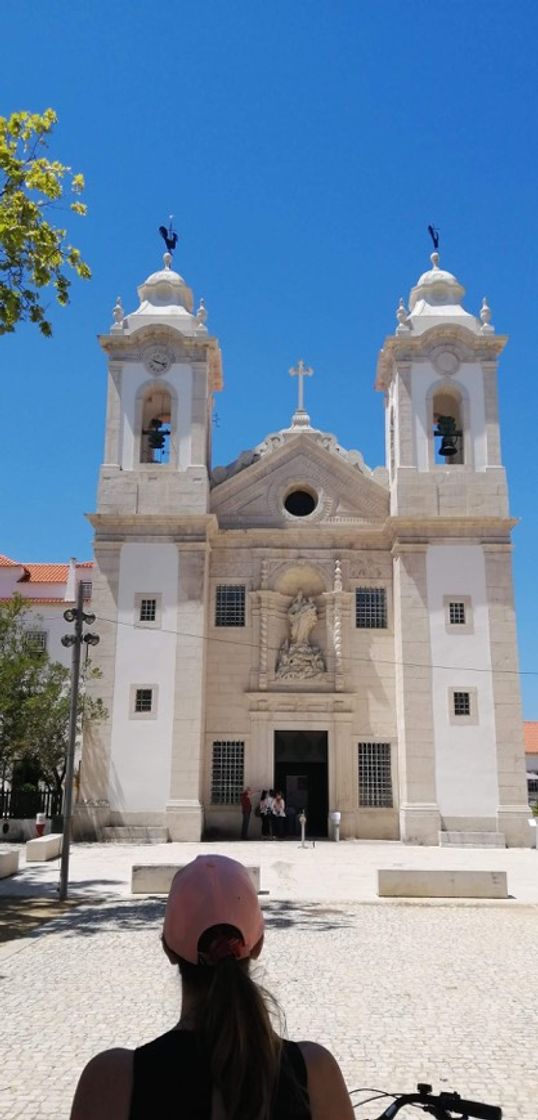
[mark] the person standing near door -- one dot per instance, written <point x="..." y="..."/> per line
<point x="265" y="813"/>
<point x="279" y="815"/>
<point x="246" y="809"/>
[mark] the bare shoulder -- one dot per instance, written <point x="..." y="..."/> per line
<point x="104" y="1088"/>
<point x="329" y="1098"/>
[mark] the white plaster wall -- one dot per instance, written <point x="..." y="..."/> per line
<point x="465" y="755"/>
<point x="469" y="378"/>
<point x="134" y="378"/>
<point x="50" y="618"/>
<point x="141" y="748"/>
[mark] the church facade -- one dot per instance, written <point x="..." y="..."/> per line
<point x="297" y="619"/>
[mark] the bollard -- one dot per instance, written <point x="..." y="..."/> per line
<point x="302" y="822"/>
<point x="40" y="822"/>
<point x="336" y="817"/>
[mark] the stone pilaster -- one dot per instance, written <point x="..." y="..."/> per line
<point x="513" y="811"/>
<point x="184" y="817"/>
<point x="419" y="812"/>
<point x="95" y="765"/>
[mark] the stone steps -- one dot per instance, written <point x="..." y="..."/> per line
<point x="472" y="840"/>
<point x="134" y="834"/>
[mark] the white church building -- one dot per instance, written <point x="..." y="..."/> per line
<point x="297" y="619"/>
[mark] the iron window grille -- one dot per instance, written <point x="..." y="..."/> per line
<point x="144" y="700"/>
<point x="230" y="604"/>
<point x="87" y="588"/>
<point x="371" y="608"/>
<point x="457" y="614"/>
<point x="36" y="641"/>
<point x="375" y="776"/>
<point x="227" y="779"/>
<point x="148" y="610"/>
<point x="462" y="703"/>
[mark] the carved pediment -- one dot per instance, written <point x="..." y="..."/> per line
<point x="343" y="492"/>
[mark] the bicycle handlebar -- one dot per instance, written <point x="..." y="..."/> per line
<point x="442" y="1105"/>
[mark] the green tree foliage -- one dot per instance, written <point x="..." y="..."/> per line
<point x="34" y="253"/>
<point x="34" y="702"/>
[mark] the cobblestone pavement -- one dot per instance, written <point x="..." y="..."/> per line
<point x="400" y="993"/>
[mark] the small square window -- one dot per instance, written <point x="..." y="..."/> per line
<point x="144" y="700"/>
<point x="230" y="604"/>
<point x="456" y="614"/>
<point x="148" y="610"/>
<point x="36" y="641"/>
<point x="87" y="588"/>
<point x="462" y="703"/>
<point x="371" y="608"/>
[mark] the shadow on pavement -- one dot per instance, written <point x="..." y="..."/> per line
<point x="85" y="917"/>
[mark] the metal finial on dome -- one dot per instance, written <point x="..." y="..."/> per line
<point x="485" y="318"/>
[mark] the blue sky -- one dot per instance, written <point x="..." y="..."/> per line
<point x="303" y="148"/>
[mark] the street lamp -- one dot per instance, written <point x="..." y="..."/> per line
<point x="75" y="640"/>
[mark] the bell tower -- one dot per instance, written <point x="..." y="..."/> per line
<point x="459" y="720"/>
<point x="141" y="766"/>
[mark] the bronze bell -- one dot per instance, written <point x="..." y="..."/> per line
<point x="448" y="447"/>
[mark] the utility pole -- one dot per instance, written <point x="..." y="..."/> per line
<point x="75" y="640"/>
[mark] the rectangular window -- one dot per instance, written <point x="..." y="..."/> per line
<point x="148" y="610"/>
<point x="457" y="614"/>
<point x="462" y="703"/>
<point x="228" y="772"/>
<point x="375" y="778"/>
<point x="36" y="641"/>
<point x="143" y="700"/>
<point x="371" y="608"/>
<point x="230" y="604"/>
<point x="87" y="588"/>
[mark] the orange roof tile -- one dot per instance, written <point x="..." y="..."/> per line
<point x="86" y="564"/>
<point x="50" y="601"/>
<point x="530" y="736"/>
<point x="47" y="573"/>
<point x="5" y="562"/>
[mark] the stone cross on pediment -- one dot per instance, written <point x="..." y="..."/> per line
<point x="300" y="417"/>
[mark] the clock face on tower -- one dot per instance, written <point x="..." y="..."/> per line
<point x="157" y="359"/>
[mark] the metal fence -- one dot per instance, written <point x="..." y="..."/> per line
<point x="23" y="804"/>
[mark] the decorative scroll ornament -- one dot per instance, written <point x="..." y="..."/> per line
<point x="297" y="658"/>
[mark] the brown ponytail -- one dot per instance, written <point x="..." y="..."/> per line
<point x="234" y="1028"/>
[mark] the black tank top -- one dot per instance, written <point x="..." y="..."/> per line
<point x="172" y="1071"/>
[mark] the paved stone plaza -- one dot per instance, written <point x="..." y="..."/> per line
<point x="400" y="992"/>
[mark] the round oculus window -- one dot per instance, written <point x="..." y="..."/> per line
<point x="300" y="502"/>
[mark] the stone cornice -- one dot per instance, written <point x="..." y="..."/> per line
<point x="409" y="348"/>
<point x="197" y="528"/>
<point x="184" y="348"/>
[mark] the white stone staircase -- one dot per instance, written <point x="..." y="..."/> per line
<point x="134" y="834"/>
<point x="451" y="839"/>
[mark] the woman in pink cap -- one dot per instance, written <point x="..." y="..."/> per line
<point x="223" y="1059"/>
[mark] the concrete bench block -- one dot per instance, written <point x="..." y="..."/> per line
<point x="156" y="878"/>
<point x="408" y="883"/>
<point x="9" y="863"/>
<point x="44" y="847"/>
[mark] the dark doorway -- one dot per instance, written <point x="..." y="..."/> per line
<point x="301" y="774"/>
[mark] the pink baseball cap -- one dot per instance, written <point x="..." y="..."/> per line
<point x="211" y="891"/>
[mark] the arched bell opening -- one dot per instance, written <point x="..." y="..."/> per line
<point x="156" y="426"/>
<point x="449" y="437"/>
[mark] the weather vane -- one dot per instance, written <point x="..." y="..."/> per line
<point x="434" y="234"/>
<point x="168" y="235"/>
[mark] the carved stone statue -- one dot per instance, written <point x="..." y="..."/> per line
<point x="297" y="659"/>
